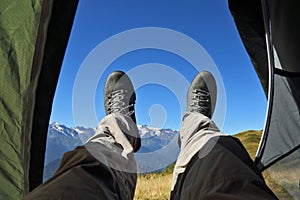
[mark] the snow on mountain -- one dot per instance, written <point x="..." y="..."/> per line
<point x="85" y="133"/>
<point x="155" y="138"/>
<point x="62" y="139"/>
<point x="69" y="138"/>
<point x="55" y="129"/>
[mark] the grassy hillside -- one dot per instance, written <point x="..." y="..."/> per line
<point x="157" y="185"/>
<point x="250" y="140"/>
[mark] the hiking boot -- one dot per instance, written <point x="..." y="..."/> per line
<point x="119" y="97"/>
<point x="202" y="94"/>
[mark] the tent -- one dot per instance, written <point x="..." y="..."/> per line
<point x="33" y="39"/>
<point x="270" y="31"/>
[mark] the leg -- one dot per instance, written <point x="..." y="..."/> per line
<point x="104" y="168"/>
<point x="211" y="165"/>
<point x="220" y="169"/>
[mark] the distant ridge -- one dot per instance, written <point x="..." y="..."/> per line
<point x="62" y="139"/>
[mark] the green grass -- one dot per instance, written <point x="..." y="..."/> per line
<point x="157" y="185"/>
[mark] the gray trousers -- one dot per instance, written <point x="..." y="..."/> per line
<point x="210" y="165"/>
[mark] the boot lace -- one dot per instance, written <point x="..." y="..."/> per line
<point x="118" y="102"/>
<point x="200" y="102"/>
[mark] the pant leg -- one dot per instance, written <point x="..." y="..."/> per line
<point x="214" y="166"/>
<point x="104" y="168"/>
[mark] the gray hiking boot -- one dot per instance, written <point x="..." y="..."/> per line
<point x="119" y="97"/>
<point x="202" y="94"/>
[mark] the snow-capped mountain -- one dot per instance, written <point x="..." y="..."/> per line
<point x="159" y="149"/>
<point x="61" y="139"/>
<point x="155" y="138"/>
<point x="56" y="130"/>
<point x="154" y="142"/>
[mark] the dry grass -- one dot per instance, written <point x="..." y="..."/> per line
<point x="157" y="185"/>
<point x="250" y="140"/>
<point x="280" y="192"/>
<point x="286" y="173"/>
<point x="153" y="186"/>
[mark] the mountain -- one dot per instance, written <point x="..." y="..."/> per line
<point x="155" y="138"/>
<point x="62" y="139"/>
<point x="156" y="144"/>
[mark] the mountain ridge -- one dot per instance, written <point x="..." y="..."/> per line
<point x="62" y="139"/>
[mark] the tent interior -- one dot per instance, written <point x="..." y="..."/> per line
<point x="34" y="36"/>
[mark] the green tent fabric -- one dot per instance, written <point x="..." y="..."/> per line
<point x="15" y="54"/>
<point x="33" y="38"/>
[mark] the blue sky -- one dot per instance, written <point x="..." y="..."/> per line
<point x="208" y="22"/>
